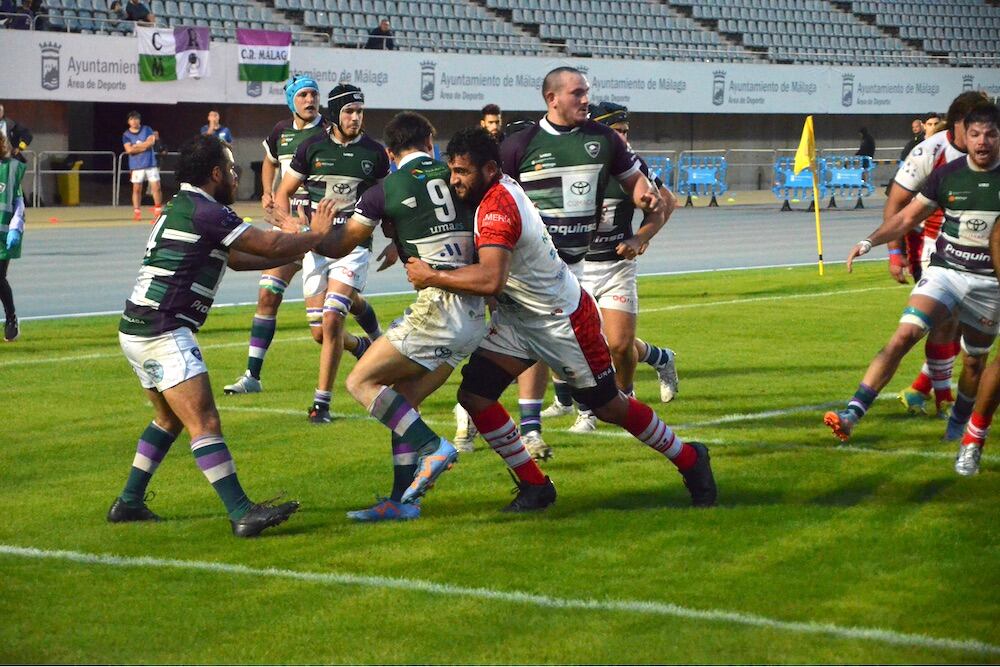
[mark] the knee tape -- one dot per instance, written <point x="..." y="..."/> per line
<point x="272" y="284"/>
<point x="975" y="351"/>
<point x="314" y="316"/>
<point x="337" y="303"/>
<point x="917" y="318"/>
<point x="484" y="378"/>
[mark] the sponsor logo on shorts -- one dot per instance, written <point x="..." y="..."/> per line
<point x="346" y="271"/>
<point x="196" y="353"/>
<point x="986" y="322"/>
<point x="154" y="369"/>
<point x="442" y="352"/>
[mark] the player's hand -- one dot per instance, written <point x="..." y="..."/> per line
<point x="650" y="201"/>
<point x="13" y="238"/>
<point x="859" y="248"/>
<point x="419" y="272"/>
<point x="267" y="201"/>
<point x="284" y="221"/>
<point x="897" y="269"/>
<point x="323" y="217"/>
<point x="631" y="248"/>
<point x="389" y="256"/>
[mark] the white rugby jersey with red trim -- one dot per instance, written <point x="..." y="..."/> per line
<point x="925" y="157"/>
<point x="539" y="281"/>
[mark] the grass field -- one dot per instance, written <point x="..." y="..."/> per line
<point x="873" y="553"/>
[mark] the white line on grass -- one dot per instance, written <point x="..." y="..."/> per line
<point x="777" y="297"/>
<point x="417" y="585"/>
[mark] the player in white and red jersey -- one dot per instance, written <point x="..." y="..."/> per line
<point x="542" y="314"/>
<point x="942" y="345"/>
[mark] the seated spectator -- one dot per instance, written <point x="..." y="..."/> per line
<point x="216" y="127"/>
<point x="40" y="13"/>
<point x="23" y="16"/>
<point x="7" y="9"/>
<point x="138" y="12"/>
<point x="381" y="37"/>
<point x="116" y="11"/>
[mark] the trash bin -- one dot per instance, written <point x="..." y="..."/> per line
<point x="69" y="185"/>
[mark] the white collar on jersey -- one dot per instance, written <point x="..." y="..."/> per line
<point x="547" y="126"/>
<point x="352" y="141"/>
<point x="319" y="119"/>
<point x="194" y="188"/>
<point x="411" y="156"/>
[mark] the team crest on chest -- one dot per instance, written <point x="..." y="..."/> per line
<point x="592" y="148"/>
<point x="367" y="166"/>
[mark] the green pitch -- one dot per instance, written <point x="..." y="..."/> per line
<point x="873" y="553"/>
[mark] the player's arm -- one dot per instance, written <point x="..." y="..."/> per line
<point x="342" y="239"/>
<point x="897" y="200"/>
<point x="912" y="215"/>
<point x="244" y="261"/>
<point x="651" y="225"/>
<point x="487" y="278"/>
<point x="995" y="248"/>
<point x="290" y="182"/>
<point x="282" y="244"/>
<point x="268" y="171"/>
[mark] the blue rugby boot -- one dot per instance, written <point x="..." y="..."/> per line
<point x="387" y="509"/>
<point x="429" y="468"/>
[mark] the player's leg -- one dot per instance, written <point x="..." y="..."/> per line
<point x="940" y="351"/>
<point x="11" y="328"/>
<point x="364" y="315"/>
<point x="137" y="178"/>
<point x="336" y="306"/>
<point x="272" y="286"/>
<point x="930" y="303"/>
<point x="530" y="395"/>
<point x="153" y="445"/>
<point x="663" y="361"/>
<point x="157" y="192"/>
<point x="978" y="428"/>
<point x="484" y="379"/>
<point x="975" y="349"/>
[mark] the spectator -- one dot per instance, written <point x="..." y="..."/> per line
<point x="215" y="127"/>
<point x="18" y="136"/>
<point x="916" y="136"/>
<point x="23" y="17"/>
<point x="40" y="13"/>
<point x="867" y="143"/>
<point x="381" y="37"/>
<point x="138" y="141"/>
<point x="138" y="12"/>
<point x="117" y="12"/>
<point x="492" y="122"/>
<point x="933" y="124"/>
<point x="7" y="10"/>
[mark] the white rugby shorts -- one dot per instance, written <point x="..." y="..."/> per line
<point x="351" y="270"/>
<point x="439" y="328"/>
<point x="976" y="297"/>
<point x="152" y="174"/>
<point x="612" y="284"/>
<point x="163" y="361"/>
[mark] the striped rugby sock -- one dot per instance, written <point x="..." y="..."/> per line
<point x="498" y="429"/>
<point x="977" y="429"/>
<point x="404" y="466"/>
<point x="390" y="408"/>
<point x="261" y="334"/>
<point x="652" y="431"/>
<point x="154" y="443"/>
<point x="369" y="322"/>
<point x="862" y="400"/>
<point x="216" y="463"/>
<point x="531" y="414"/>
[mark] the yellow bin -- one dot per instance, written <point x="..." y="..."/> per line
<point x="69" y="185"/>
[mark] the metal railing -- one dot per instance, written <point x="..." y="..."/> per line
<point x="122" y="171"/>
<point x="48" y="155"/>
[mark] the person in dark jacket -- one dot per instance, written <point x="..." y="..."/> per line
<point x="917" y="135"/>
<point x="381" y="37"/>
<point x="867" y="143"/>
<point x="18" y="136"/>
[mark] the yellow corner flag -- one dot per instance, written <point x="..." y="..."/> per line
<point x="805" y="158"/>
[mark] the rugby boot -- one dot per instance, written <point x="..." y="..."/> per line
<point x="245" y="384"/>
<point x="699" y="480"/>
<point x="137" y="214"/>
<point x="531" y="497"/>
<point x="557" y="409"/>
<point x="319" y="413"/>
<point x="263" y="516"/>
<point x="967" y="461"/>
<point x="537" y="448"/>
<point x="429" y="468"/>
<point x="585" y="422"/>
<point x="944" y="409"/>
<point x="122" y="512"/>
<point x="11" y="329"/>
<point x="841" y="423"/>
<point x="387" y="509"/>
<point x="667" y="372"/>
<point x="954" y="430"/>
<point x="465" y="430"/>
<point x="914" y="401"/>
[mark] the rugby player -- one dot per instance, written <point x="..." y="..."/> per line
<point x="942" y="344"/>
<point x="960" y="278"/>
<point x="302" y="98"/>
<point x="542" y="314"/>
<point x="339" y="165"/>
<point x="610" y="275"/>
<point x="439" y="330"/>
<point x="187" y="253"/>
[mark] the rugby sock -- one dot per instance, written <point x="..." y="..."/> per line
<point x="862" y="400"/>
<point x="977" y="429"/>
<point x="369" y="322"/>
<point x="322" y="397"/>
<point x="531" y="414"/>
<point x="564" y="393"/>
<point x="962" y="410"/>
<point x="648" y="428"/>
<point x="154" y="443"/>
<point x="261" y="335"/>
<point x="497" y="428"/>
<point x="212" y="456"/>
<point x="404" y="466"/>
<point x="395" y="412"/>
<point x="655" y="356"/>
<point x="940" y="362"/>
<point x="923" y="383"/>
<point x="361" y="345"/>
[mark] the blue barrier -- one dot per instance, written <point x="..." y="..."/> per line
<point x="789" y="185"/>
<point x="662" y="167"/>
<point x="701" y="175"/>
<point x="849" y="176"/>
